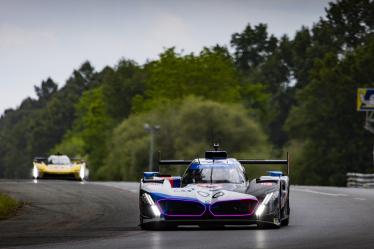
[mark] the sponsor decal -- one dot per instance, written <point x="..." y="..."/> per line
<point x="218" y="194"/>
<point x="211" y="187"/>
<point x="365" y="99"/>
<point x="203" y="194"/>
<point x="182" y="190"/>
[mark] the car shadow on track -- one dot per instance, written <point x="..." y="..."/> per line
<point x="208" y="228"/>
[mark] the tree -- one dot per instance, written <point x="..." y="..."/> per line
<point x="211" y="74"/>
<point x="334" y="141"/>
<point x="46" y="90"/>
<point x="252" y="47"/>
<point x="120" y="86"/>
<point x="50" y="123"/>
<point x="271" y="70"/>
<point x="352" y="22"/>
<point x="186" y="129"/>
<point x="37" y="125"/>
<point x="92" y="125"/>
<point x="301" y="59"/>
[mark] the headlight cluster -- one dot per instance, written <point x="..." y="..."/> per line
<point x="82" y="173"/>
<point x="148" y="200"/>
<point x="260" y="210"/>
<point x="35" y="172"/>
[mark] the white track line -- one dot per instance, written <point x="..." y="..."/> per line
<point x="318" y="192"/>
<point x="360" y="199"/>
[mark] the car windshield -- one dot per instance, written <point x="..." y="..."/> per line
<point x="60" y="160"/>
<point x="215" y="174"/>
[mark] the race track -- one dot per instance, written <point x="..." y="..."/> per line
<point x="68" y="214"/>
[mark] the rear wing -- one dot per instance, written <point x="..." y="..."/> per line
<point x="40" y="160"/>
<point x="174" y="162"/>
<point x="250" y="161"/>
<point x="45" y="160"/>
<point x="268" y="162"/>
<point x="77" y="160"/>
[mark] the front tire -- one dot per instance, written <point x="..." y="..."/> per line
<point x="286" y="221"/>
<point x="269" y="225"/>
<point x="144" y="226"/>
<point x="147" y="226"/>
<point x="153" y="225"/>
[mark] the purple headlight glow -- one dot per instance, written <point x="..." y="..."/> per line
<point x="229" y="208"/>
<point x="252" y="205"/>
<point x="180" y="201"/>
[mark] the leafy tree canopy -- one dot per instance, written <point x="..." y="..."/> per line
<point x="186" y="129"/>
<point x="210" y="74"/>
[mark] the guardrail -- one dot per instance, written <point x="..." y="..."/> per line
<point x="359" y="180"/>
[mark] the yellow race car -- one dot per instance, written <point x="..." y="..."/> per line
<point x="59" y="166"/>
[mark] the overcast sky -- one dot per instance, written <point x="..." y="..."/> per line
<point x="50" y="38"/>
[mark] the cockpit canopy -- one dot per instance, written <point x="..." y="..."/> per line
<point x="214" y="171"/>
<point x="59" y="160"/>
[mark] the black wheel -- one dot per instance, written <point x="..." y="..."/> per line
<point x="277" y="225"/>
<point x="147" y="226"/>
<point x="267" y="226"/>
<point x="152" y="225"/>
<point x="286" y="221"/>
<point x="262" y="225"/>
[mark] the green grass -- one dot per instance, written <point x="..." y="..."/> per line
<point x="8" y="206"/>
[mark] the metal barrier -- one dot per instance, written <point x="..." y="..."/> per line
<point x="359" y="180"/>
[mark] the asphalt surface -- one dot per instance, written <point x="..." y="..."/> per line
<point x="67" y="214"/>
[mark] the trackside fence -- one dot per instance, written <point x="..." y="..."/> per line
<point x="359" y="180"/>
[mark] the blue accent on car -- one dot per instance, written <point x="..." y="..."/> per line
<point x="195" y="165"/>
<point x="149" y="175"/>
<point x="275" y="173"/>
<point x="158" y="196"/>
<point x="177" y="181"/>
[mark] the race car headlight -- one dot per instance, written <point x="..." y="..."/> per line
<point x="148" y="200"/>
<point x="155" y="211"/>
<point x="263" y="204"/>
<point x="82" y="172"/>
<point x="35" y="172"/>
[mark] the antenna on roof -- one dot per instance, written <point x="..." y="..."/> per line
<point x="198" y="159"/>
<point x="216" y="146"/>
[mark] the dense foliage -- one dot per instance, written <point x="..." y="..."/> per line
<point x="187" y="129"/>
<point x="271" y="94"/>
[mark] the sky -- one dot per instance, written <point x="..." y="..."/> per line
<point x="51" y="38"/>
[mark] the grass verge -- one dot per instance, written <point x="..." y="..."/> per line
<point x="8" y="206"/>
